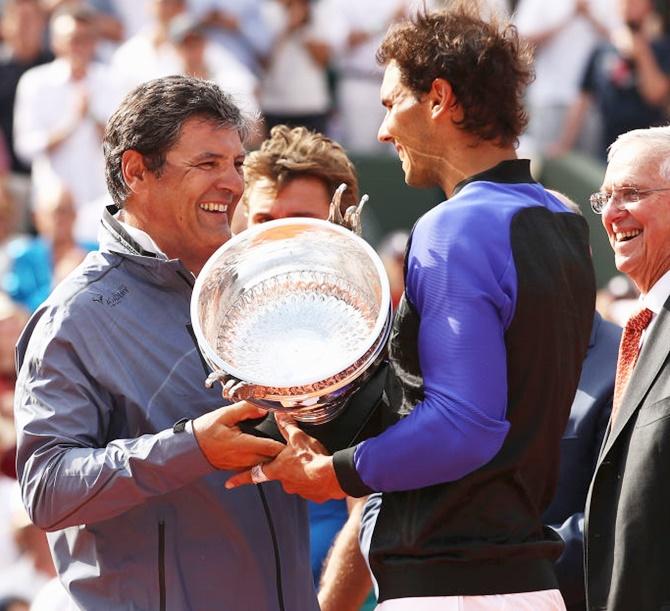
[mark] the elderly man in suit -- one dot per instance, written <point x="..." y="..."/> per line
<point x="627" y="527"/>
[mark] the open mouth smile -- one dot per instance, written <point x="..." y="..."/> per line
<point x="625" y="236"/>
<point x="214" y="207"/>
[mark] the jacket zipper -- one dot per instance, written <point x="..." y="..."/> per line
<point x="161" y="565"/>
<point x="275" y="548"/>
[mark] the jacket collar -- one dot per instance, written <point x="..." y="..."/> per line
<point x="117" y="238"/>
<point x="114" y="238"/>
<point x="508" y="171"/>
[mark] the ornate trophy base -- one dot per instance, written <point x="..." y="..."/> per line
<point x="363" y="416"/>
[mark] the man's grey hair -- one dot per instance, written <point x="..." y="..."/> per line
<point x="150" y="120"/>
<point x="654" y="139"/>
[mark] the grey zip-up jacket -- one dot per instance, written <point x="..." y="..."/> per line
<point x="137" y="517"/>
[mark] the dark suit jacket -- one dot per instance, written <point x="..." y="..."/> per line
<point x="628" y="509"/>
<point x="580" y="445"/>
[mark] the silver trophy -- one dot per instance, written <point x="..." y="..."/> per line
<point x="292" y="315"/>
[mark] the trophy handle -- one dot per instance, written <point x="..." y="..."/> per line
<point x="352" y="215"/>
<point x="233" y="389"/>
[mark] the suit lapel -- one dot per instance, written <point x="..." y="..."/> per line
<point x="650" y="361"/>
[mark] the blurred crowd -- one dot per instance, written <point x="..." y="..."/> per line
<point x="602" y="68"/>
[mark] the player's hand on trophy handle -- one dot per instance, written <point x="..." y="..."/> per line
<point x="225" y="446"/>
<point x="303" y="466"/>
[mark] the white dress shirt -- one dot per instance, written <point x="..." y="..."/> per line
<point x="143" y="239"/>
<point x="654" y="299"/>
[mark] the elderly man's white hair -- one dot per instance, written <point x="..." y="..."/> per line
<point x="655" y="139"/>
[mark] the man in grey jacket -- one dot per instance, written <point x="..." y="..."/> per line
<point x="122" y="452"/>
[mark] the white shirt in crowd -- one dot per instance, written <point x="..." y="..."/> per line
<point x="47" y="101"/>
<point x="251" y="41"/>
<point x="293" y="84"/>
<point x="138" y="60"/>
<point x="561" y="60"/>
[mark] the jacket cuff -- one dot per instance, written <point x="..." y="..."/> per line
<point x="347" y="476"/>
<point x="188" y="452"/>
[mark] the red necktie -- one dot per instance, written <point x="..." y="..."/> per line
<point x="629" y="350"/>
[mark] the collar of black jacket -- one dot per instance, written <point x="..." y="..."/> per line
<point x="508" y="171"/>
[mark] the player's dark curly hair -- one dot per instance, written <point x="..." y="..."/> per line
<point x="484" y="61"/>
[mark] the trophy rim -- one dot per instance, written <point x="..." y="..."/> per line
<point x="218" y="364"/>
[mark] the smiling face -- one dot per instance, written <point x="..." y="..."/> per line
<point x="407" y="126"/>
<point x="187" y="207"/>
<point x="304" y="196"/>
<point x="640" y="233"/>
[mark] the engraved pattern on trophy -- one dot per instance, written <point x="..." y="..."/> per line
<point x="294" y="314"/>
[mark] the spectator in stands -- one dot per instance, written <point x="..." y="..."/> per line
<point x="239" y="27"/>
<point x="37" y="264"/>
<point x="22" y="31"/>
<point x="563" y="34"/>
<point x="175" y="42"/>
<point x="12" y="319"/>
<point x="4" y="160"/>
<point x="353" y="31"/>
<point x="133" y="15"/>
<point x="627" y="78"/>
<point x="198" y="56"/>
<point x="61" y="109"/>
<point x="22" y="28"/>
<point x="148" y="54"/>
<point x="295" y="89"/>
<point x="108" y="27"/>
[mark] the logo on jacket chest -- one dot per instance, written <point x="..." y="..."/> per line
<point x="114" y="298"/>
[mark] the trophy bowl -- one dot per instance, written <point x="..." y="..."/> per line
<point x="292" y="315"/>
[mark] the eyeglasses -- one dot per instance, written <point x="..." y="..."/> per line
<point x="624" y="196"/>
